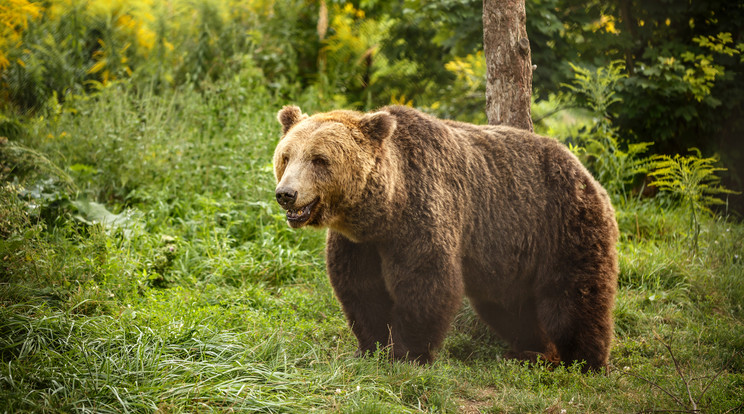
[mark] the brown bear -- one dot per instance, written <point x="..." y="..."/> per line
<point x="420" y="211"/>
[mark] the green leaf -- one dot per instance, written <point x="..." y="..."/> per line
<point x="91" y="212"/>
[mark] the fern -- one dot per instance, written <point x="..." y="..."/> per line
<point x="598" y="87"/>
<point x="693" y="179"/>
<point x="614" y="167"/>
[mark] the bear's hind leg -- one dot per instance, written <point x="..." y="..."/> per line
<point x="520" y="328"/>
<point x="579" y="322"/>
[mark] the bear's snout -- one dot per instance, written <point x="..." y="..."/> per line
<point x="286" y="197"/>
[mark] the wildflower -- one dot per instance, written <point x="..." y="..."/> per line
<point x="14" y="19"/>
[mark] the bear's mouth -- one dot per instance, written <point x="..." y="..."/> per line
<point x="300" y="215"/>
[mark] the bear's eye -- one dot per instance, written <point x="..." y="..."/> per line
<point x="285" y="160"/>
<point x="320" y="161"/>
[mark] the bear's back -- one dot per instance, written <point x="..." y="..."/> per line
<point x="516" y="187"/>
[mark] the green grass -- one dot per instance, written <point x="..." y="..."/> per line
<point x="146" y="268"/>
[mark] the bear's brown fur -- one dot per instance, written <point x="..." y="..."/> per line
<point x="420" y="211"/>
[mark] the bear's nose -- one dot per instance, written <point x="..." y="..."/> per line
<point x="285" y="197"/>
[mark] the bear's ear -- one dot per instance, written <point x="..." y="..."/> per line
<point x="288" y="116"/>
<point x="378" y="126"/>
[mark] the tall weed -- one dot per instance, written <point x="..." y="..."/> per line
<point x="616" y="168"/>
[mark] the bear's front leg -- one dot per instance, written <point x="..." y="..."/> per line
<point x="355" y="274"/>
<point x="426" y="287"/>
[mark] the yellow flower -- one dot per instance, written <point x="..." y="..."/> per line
<point x="98" y="66"/>
<point x="127" y="22"/>
<point x="145" y="38"/>
<point x="401" y="101"/>
<point x="607" y="23"/>
<point x="14" y="17"/>
<point x="610" y="27"/>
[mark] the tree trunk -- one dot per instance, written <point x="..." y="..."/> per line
<point x="508" y="63"/>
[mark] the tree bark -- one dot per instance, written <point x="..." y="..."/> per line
<point x="508" y="63"/>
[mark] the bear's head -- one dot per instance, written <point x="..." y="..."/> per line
<point x="322" y="163"/>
